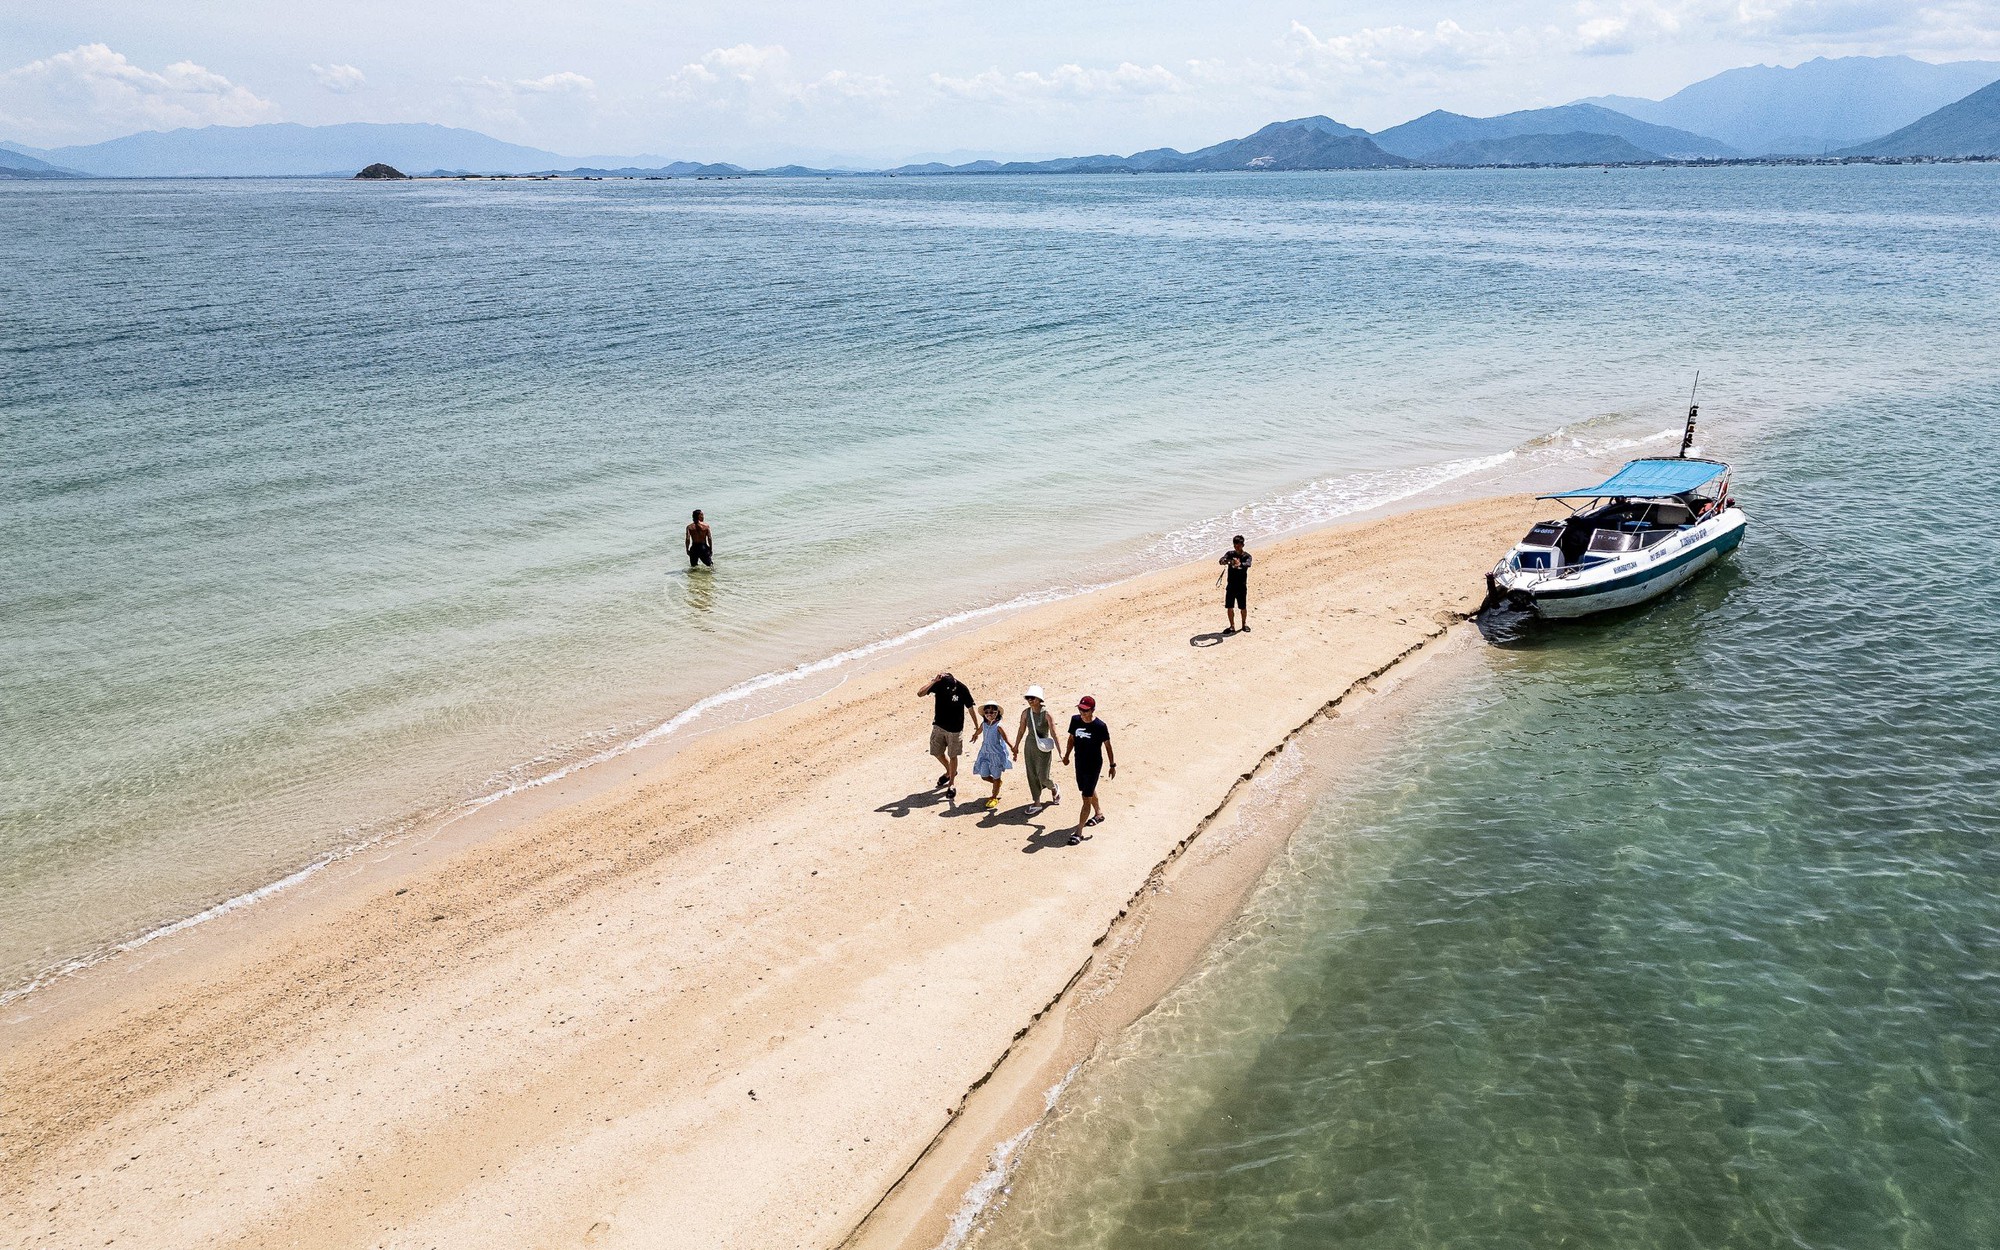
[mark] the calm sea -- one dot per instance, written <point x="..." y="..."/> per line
<point x="327" y="506"/>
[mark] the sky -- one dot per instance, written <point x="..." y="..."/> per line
<point x="766" y="81"/>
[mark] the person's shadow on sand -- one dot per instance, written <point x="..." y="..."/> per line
<point x="1041" y="837"/>
<point x="912" y="802"/>
<point x="1019" y="814"/>
<point x="1047" y="839"/>
<point x="1206" y="640"/>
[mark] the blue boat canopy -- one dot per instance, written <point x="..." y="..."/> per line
<point x="1651" y="479"/>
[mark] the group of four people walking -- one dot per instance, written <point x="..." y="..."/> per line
<point x="1087" y="741"/>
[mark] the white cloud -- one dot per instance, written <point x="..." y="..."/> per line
<point x="761" y="82"/>
<point x="1803" y="27"/>
<point x="1359" y="75"/>
<point x="1069" y="82"/>
<point x="565" y="83"/>
<point x="518" y="105"/>
<point x="91" y="93"/>
<point x="1614" y="31"/>
<point x="340" y="79"/>
<point x="1969" y="27"/>
<point x="1302" y="68"/>
<point x="1784" y="18"/>
<point x="745" y="64"/>
<point x="1395" y="51"/>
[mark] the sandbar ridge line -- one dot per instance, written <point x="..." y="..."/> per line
<point x="1153" y="878"/>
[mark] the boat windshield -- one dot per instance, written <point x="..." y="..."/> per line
<point x="1544" y="534"/>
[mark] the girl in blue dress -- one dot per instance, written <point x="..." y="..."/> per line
<point x="996" y="754"/>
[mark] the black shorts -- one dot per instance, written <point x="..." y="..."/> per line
<point x="1086" y="778"/>
<point x="701" y="553"/>
<point x="1237" y="596"/>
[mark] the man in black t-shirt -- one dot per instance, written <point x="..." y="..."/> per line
<point x="949" y="702"/>
<point x="1236" y="563"/>
<point x="1090" y="742"/>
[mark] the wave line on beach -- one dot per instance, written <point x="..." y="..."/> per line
<point x="979" y="1196"/>
<point x="695" y="711"/>
<point x="1327" y="499"/>
<point x="1318" y="502"/>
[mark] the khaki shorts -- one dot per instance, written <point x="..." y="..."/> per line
<point x="946" y="743"/>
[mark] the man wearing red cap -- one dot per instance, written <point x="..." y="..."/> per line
<point x="1090" y="741"/>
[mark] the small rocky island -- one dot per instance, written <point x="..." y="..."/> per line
<point x="379" y="170"/>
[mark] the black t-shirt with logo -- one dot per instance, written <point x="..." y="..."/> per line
<point x="1091" y="737"/>
<point x="1239" y="572"/>
<point x="951" y="701"/>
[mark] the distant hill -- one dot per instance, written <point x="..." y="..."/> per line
<point x="1570" y="149"/>
<point x="1751" y="105"/>
<point x="1968" y="127"/>
<point x="675" y="169"/>
<point x="1811" y="108"/>
<point x="1302" y="143"/>
<point x="16" y="164"/>
<point x="286" y="148"/>
<point x="1433" y="132"/>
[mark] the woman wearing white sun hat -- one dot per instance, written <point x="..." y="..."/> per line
<point x="1035" y="744"/>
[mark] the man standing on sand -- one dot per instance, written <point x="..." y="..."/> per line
<point x="1090" y="742"/>
<point x="700" y="542"/>
<point x="949" y="701"/>
<point x="1237" y="597"/>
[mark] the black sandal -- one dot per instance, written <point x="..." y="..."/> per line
<point x="1076" y="837"/>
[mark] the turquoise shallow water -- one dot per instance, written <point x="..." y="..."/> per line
<point x="1676" y="930"/>
<point x="326" y="505"/>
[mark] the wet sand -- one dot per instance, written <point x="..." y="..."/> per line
<point x="731" y="1000"/>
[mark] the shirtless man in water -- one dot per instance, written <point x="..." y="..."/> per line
<point x="700" y="542"/>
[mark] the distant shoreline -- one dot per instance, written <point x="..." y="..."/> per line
<point x="1734" y="162"/>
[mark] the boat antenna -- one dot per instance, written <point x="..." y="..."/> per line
<point x="1687" y="438"/>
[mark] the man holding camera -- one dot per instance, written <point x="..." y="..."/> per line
<point x="1236" y="565"/>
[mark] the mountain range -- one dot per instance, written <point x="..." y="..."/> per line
<point x="1868" y="106"/>
<point x="287" y="149"/>
<point x="1428" y="136"/>
<point x="1573" y="134"/>
<point x="1302" y="143"/>
<point x="1812" y="108"/>
<point x="17" y="164"/>
<point x="1968" y="127"/>
<point x="1574" y="148"/>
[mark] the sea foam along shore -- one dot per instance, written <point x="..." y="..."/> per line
<point x="728" y="1002"/>
<point x="1318" y="502"/>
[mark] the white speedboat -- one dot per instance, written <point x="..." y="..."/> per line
<point x="1648" y="528"/>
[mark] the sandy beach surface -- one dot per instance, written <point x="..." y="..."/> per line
<point x="731" y="1001"/>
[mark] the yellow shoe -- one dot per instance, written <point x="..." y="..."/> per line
<point x="993" y="805"/>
